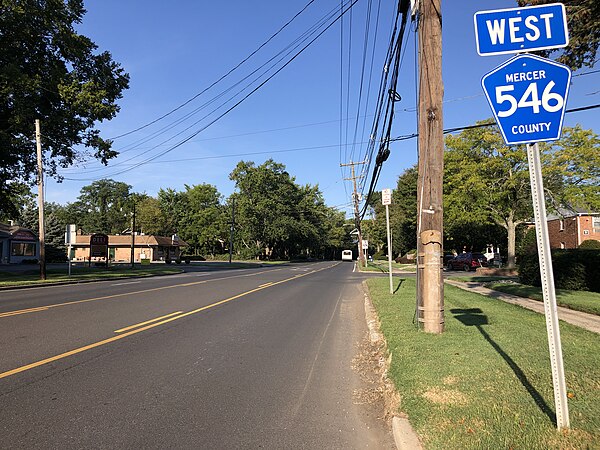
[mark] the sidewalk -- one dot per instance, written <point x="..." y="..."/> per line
<point x="590" y="322"/>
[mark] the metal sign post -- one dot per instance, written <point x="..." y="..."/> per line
<point x="365" y="250"/>
<point x="528" y="96"/>
<point x="386" y="199"/>
<point x="547" y="278"/>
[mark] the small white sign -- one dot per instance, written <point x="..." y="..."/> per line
<point x="365" y="245"/>
<point x="386" y="197"/>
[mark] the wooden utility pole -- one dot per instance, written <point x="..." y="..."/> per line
<point x="231" y="229"/>
<point x="430" y="286"/>
<point x="40" y="183"/>
<point x="353" y="177"/>
<point x="132" y="238"/>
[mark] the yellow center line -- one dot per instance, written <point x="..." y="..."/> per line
<point x="131" y="327"/>
<point x="266" y="284"/>
<point x="146" y="327"/>
<point x="23" y="311"/>
<point x="125" y="294"/>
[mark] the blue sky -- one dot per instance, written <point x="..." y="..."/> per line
<point x="174" y="50"/>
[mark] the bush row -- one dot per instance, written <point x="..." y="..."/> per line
<point x="573" y="269"/>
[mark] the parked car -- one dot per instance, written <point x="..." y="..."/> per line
<point x="467" y="261"/>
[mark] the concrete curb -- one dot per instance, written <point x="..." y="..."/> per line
<point x="405" y="436"/>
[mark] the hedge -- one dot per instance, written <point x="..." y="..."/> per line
<point x="573" y="269"/>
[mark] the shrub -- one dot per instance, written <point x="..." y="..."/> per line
<point x="380" y="256"/>
<point x="573" y="269"/>
<point x="590" y="244"/>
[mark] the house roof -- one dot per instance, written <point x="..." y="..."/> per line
<point x="7" y="231"/>
<point x="140" y="240"/>
<point x="565" y="213"/>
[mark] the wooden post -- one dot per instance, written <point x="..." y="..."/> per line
<point x="433" y="304"/>
<point x="431" y="154"/>
<point x="40" y="183"/>
<point x="361" y="255"/>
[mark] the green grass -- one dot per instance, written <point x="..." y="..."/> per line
<point x="481" y="279"/>
<point x="383" y="266"/>
<point x="485" y="383"/>
<point x="578" y="300"/>
<point x="32" y="277"/>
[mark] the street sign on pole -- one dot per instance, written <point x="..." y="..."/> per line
<point x="548" y="290"/>
<point x="386" y="197"/>
<point x="515" y="30"/>
<point x="528" y="97"/>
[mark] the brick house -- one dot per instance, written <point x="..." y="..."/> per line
<point x="568" y="229"/>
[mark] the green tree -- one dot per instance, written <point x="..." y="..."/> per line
<point x="403" y="212"/>
<point x="203" y="226"/>
<point x="105" y="206"/>
<point x="55" y="217"/>
<point x="486" y="180"/>
<point x="150" y="218"/>
<point x="173" y="206"/>
<point x="276" y="217"/>
<point x="50" y="72"/>
<point x="583" y="21"/>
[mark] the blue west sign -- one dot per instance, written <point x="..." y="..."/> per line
<point x="528" y="96"/>
<point x="521" y="29"/>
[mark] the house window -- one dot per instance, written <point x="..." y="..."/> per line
<point x="596" y="223"/>
<point x="561" y="224"/>
<point x="563" y="245"/>
<point x="22" y="249"/>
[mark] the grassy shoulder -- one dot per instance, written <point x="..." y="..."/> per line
<point x="578" y="300"/>
<point x="383" y="267"/>
<point x="32" y="277"/>
<point x="584" y="301"/>
<point x="477" y="385"/>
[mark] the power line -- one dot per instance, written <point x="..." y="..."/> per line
<point x="222" y="77"/>
<point x="342" y="13"/>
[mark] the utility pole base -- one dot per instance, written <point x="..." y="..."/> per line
<point x="432" y="314"/>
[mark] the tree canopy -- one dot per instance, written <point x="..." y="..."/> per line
<point x="50" y="72"/>
<point x="487" y="180"/>
<point x="583" y="21"/>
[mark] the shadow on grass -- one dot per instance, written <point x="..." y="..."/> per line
<point x="475" y="317"/>
<point x="402" y="280"/>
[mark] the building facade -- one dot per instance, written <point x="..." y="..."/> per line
<point x="18" y="244"/>
<point x="569" y="229"/>
<point x="146" y="247"/>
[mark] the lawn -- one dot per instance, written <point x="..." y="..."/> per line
<point x="486" y="381"/>
<point x="383" y="266"/>
<point x="32" y="277"/>
<point x="578" y="300"/>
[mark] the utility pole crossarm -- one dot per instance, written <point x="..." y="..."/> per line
<point x="353" y="178"/>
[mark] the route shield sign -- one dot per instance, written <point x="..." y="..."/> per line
<point x="528" y="96"/>
<point x="521" y="29"/>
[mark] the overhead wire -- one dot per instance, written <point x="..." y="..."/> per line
<point x="391" y="98"/>
<point x="348" y="7"/>
<point x="233" y="69"/>
<point x="282" y="54"/>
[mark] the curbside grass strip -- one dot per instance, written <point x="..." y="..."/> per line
<point x="405" y="436"/>
<point x="486" y="381"/>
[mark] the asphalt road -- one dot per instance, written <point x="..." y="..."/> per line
<point x="253" y="358"/>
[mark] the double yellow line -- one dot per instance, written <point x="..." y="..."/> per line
<point x="125" y="294"/>
<point x="147" y="325"/>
